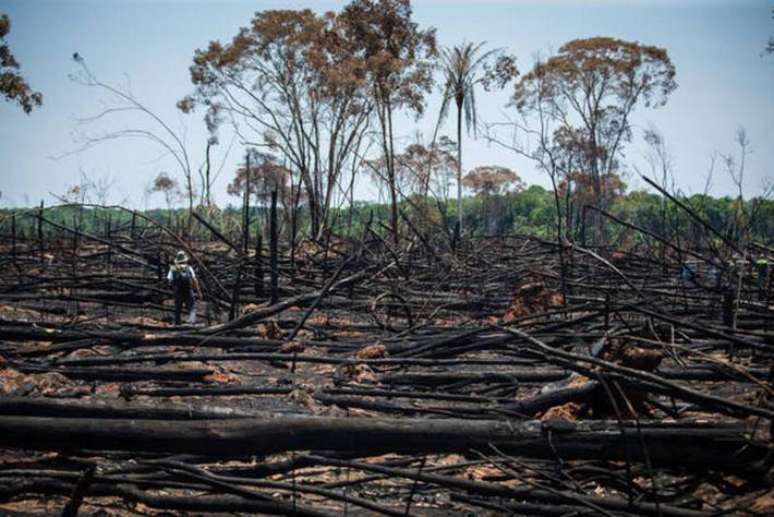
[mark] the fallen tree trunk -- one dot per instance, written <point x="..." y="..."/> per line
<point x="259" y="504"/>
<point x="100" y="296"/>
<point x="129" y="390"/>
<point x="543" y="401"/>
<point x="95" y="408"/>
<point x="512" y="375"/>
<point x="690" y="444"/>
<point x="55" y="335"/>
<point x="117" y="374"/>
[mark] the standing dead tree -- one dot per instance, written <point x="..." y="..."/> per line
<point x="396" y="58"/>
<point x="157" y="131"/>
<point x="581" y="100"/>
<point x="290" y="83"/>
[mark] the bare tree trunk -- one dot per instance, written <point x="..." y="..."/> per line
<point x="393" y="179"/>
<point x="234" y="310"/>
<point x="314" y="219"/>
<point x="207" y="193"/>
<point x="560" y="239"/>
<point x="13" y="240"/>
<point x="40" y="231"/>
<point x="258" y="264"/>
<point x="385" y="120"/>
<point x="273" y="245"/>
<point x="294" y="225"/>
<point x="246" y="208"/>
<point x="189" y="187"/>
<point x="459" y="168"/>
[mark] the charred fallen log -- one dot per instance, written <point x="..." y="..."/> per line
<point x="694" y="445"/>
<point x="118" y="374"/>
<point x="50" y="407"/>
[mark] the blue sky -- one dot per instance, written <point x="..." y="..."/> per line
<point x="724" y="82"/>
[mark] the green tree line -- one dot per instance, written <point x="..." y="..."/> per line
<point x="530" y="211"/>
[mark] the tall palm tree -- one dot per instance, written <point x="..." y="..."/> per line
<point x="460" y="66"/>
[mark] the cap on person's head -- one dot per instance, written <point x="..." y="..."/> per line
<point x="181" y="257"/>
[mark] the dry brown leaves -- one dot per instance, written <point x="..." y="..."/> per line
<point x="340" y="320"/>
<point x="43" y="383"/>
<point x="449" y="459"/>
<point x="577" y="380"/>
<point x="322" y="369"/>
<point x="252" y="307"/>
<point x="95" y="351"/>
<point x="222" y="378"/>
<point x="532" y="298"/>
<point x="764" y="504"/>
<point x="192" y="365"/>
<point x="11" y="380"/>
<point x="568" y="412"/>
<point x="295" y="346"/>
<point x="490" y="473"/>
<point x="51" y="505"/>
<point x="49" y="383"/>
<point x="13" y="312"/>
<point x="375" y="351"/>
<point x="112" y="389"/>
<point x="482" y="473"/>
<point x="303" y="394"/>
<point x="319" y="319"/>
<point x="359" y="373"/>
<point x="269" y="330"/>
<point x="23" y="459"/>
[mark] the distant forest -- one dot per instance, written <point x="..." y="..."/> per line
<point x="529" y="211"/>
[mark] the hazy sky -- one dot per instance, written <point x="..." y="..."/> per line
<point x="724" y="81"/>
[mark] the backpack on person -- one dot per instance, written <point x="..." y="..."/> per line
<point x="182" y="279"/>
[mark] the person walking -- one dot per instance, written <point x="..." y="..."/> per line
<point x="183" y="280"/>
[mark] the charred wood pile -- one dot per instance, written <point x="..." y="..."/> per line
<point x="502" y="376"/>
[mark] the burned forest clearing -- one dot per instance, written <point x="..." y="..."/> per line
<point x="384" y="257"/>
<point x="382" y="380"/>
